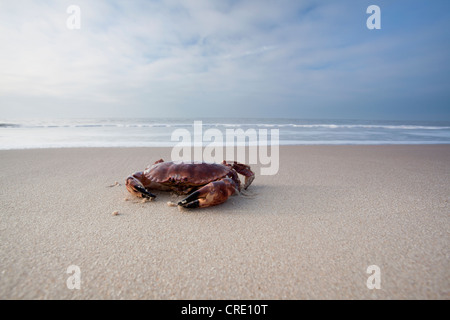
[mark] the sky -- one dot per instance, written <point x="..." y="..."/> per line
<point x="225" y="58"/>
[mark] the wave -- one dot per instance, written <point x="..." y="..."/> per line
<point x="370" y="126"/>
<point x="136" y="123"/>
<point x="323" y="126"/>
<point x="328" y="126"/>
<point x="9" y="125"/>
<point x="138" y="144"/>
<point x="118" y="125"/>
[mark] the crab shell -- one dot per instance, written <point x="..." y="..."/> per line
<point x="184" y="176"/>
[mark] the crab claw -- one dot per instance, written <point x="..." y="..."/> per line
<point x="135" y="187"/>
<point x="213" y="193"/>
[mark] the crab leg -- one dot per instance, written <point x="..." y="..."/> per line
<point x="242" y="169"/>
<point x="135" y="186"/>
<point x="213" y="193"/>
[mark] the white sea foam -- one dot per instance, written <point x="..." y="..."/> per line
<point x="69" y="133"/>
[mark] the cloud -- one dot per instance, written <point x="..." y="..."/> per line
<point x="216" y="58"/>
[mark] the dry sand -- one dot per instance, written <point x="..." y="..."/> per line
<point x="309" y="232"/>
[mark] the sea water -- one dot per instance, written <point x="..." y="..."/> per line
<point x="142" y="132"/>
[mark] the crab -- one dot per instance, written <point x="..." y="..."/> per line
<point x="206" y="184"/>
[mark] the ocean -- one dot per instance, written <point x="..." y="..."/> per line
<point x="142" y="132"/>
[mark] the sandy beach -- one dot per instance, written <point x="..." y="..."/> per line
<point x="308" y="232"/>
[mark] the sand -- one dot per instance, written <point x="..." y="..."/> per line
<point x="309" y="232"/>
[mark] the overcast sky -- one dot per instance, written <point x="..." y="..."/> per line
<point x="198" y="58"/>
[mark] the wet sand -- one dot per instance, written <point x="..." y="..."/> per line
<point x="308" y="232"/>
